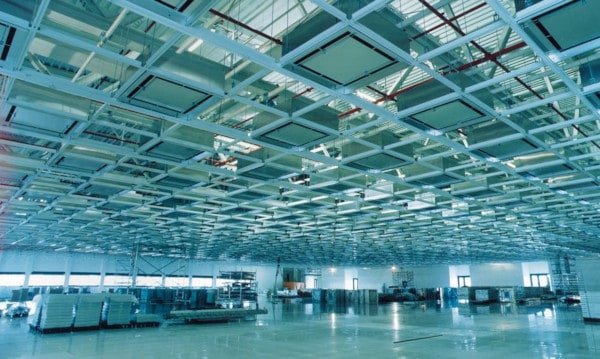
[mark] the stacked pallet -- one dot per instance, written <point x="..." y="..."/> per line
<point x="88" y="311"/>
<point x="117" y="309"/>
<point x="59" y="313"/>
<point x="56" y="312"/>
<point x="216" y="315"/>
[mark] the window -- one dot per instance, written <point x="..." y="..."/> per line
<point x="149" y="281"/>
<point x="202" y="281"/>
<point x="464" y="281"/>
<point x="117" y="280"/>
<point x="177" y="282"/>
<point x="539" y="280"/>
<point x="46" y="279"/>
<point x="354" y="283"/>
<point x="12" y="279"/>
<point x="84" y="279"/>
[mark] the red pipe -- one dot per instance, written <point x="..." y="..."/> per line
<point x="488" y="57"/>
<point x="477" y="46"/>
<point x="387" y="97"/>
<point x="349" y="112"/>
<point x="499" y="64"/>
<point x="451" y="19"/>
<point x="242" y="122"/>
<point x="393" y="95"/>
<point x="258" y="32"/>
<point x="309" y="89"/>
<point x="492" y="56"/>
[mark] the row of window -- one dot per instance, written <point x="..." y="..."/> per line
<point x="94" y="280"/>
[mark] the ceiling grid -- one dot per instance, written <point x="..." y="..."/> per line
<point x="330" y="132"/>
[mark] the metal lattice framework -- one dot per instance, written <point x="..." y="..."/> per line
<point x="326" y="132"/>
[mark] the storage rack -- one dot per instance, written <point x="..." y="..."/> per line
<point x="237" y="289"/>
<point x="564" y="275"/>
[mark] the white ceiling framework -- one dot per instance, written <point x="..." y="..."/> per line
<point x="326" y="132"/>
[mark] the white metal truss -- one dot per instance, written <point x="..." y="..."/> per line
<point x="322" y="133"/>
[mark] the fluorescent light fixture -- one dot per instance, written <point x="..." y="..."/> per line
<point x="195" y="45"/>
<point x="434" y="132"/>
<point x="190" y="45"/>
<point x="132" y="54"/>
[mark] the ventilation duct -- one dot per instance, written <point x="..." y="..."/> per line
<point x="255" y="165"/>
<point x="165" y="96"/>
<point x="22" y="9"/>
<point x="436" y="174"/>
<point x="296" y="133"/>
<point x="206" y="73"/>
<point x="499" y="141"/>
<point x="542" y="164"/>
<point x="566" y="26"/>
<point x="590" y="75"/>
<point x="41" y="122"/>
<point x="195" y="86"/>
<point x="523" y="4"/>
<point x="293" y="135"/>
<point x="422" y="201"/>
<point x="477" y="188"/>
<point x="379" y="161"/>
<point x="447" y="116"/>
<point x="327" y="62"/>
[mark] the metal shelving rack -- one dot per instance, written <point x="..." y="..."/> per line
<point x="237" y="289"/>
<point x="403" y="278"/>
<point x="564" y="275"/>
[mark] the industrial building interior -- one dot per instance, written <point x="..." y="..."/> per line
<point x="318" y="143"/>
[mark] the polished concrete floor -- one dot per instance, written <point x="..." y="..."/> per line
<point x="304" y="330"/>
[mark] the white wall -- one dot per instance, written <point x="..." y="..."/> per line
<point x="374" y="278"/>
<point x="587" y="270"/>
<point x="11" y="261"/>
<point x="589" y="287"/>
<point x="431" y="277"/>
<point x="496" y="274"/>
<point x="333" y="278"/>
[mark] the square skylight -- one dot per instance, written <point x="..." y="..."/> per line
<point x="345" y="60"/>
<point x="166" y="96"/>
<point x="294" y="134"/>
<point x="570" y="25"/>
<point x="448" y="115"/>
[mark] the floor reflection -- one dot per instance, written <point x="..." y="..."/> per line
<point x="305" y="329"/>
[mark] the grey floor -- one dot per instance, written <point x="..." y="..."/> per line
<point x="304" y="330"/>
